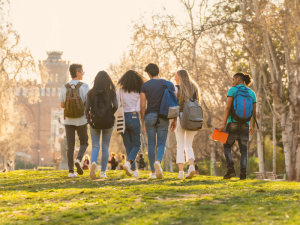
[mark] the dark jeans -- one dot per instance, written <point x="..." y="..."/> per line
<point x="132" y="136"/>
<point x="239" y="132"/>
<point x="83" y="137"/>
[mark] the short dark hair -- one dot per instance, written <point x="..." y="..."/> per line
<point x="152" y="69"/>
<point x="245" y="77"/>
<point x="74" y="68"/>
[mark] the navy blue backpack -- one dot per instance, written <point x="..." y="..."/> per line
<point x="242" y="107"/>
<point x="169" y="108"/>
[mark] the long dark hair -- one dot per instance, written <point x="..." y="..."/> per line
<point x="131" y="81"/>
<point x="103" y="82"/>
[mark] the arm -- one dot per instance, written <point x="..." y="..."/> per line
<point x="227" y="113"/>
<point x="251" y="131"/>
<point x="115" y="105"/>
<point x="143" y="110"/>
<point x="87" y="106"/>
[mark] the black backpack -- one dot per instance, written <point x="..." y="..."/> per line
<point x="102" y="116"/>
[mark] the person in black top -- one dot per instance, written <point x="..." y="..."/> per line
<point x="113" y="162"/>
<point x="141" y="162"/>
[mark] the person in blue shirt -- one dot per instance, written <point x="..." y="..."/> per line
<point x="152" y="92"/>
<point x="238" y="130"/>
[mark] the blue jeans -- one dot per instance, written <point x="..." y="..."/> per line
<point x="239" y="132"/>
<point x="159" y="132"/>
<point x="95" y="135"/>
<point x="132" y="136"/>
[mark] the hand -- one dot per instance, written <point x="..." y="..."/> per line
<point x="143" y="126"/>
<point x="251" y="131"/>
<point x="221" y="128"/>
<point x="173" y="125"/>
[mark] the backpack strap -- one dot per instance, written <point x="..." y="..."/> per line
<point x="78" y="85"/>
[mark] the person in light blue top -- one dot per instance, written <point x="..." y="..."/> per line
<point x="78" y="124"/>
<point x="237" y="127"/>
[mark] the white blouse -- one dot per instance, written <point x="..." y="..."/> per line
<point x="131" y="101"/>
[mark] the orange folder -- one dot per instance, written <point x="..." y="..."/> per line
<point x="220" y="136"/>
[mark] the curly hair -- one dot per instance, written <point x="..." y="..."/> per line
<point x="131" y="81"/>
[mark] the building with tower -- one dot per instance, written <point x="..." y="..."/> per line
<point x="46" y="114"/>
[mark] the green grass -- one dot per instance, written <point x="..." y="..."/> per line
<point x="49" y="197"/>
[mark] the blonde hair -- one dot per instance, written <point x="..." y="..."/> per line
<point x="187" y="87"/>
<point x="86" y="155"/>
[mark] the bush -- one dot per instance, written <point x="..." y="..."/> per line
<point x="21" y="165"/>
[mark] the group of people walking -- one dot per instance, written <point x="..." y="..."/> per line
<point x="139" y="103"/>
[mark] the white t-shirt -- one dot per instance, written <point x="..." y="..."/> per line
<point x="131" y="101"/>
<point x="84" y="88"/>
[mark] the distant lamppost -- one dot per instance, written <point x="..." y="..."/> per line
<point x="42" y="159"/>
<point x="38" y="157"/>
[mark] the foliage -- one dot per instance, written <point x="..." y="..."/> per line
<point x="44" y="197"/>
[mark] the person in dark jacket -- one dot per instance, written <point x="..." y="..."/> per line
<point x="113" y="162"/>
<point x="141" y="162"/>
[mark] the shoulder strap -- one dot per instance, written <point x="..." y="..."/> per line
<point x="168" y="84"/>
<point x="67" y="85"/>
<point x="78" y="85"/>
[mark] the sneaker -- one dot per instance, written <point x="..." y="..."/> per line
<point x="93" y="171"/>
<point x="135" y="174"/>
<point x="79" y="168"/>
<point x="72" y="175"/>
<point x="230" y="173"/>
<point x="190" y="173"/>
<point x="158" y="170"/>
<point x="152" y="176"/>
<point x="181" y="175"/>
<point x="243" y="176"/>
<point x="127" y="168"/>
<point x="103" y="175"/>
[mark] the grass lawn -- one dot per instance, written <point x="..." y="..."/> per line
<point x="49" y="197"/>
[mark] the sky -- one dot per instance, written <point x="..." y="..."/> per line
<point x="94" y="33"/>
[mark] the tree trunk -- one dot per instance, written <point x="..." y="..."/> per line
<point x="260" y="152"/>
<point x="274" y="139"/>
<point x="213" y="157"/>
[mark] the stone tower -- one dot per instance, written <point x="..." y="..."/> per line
<point x="57" y="69"/>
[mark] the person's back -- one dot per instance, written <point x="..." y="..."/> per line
<point x="100" y="108"/>
<point x="154" y="90"/>
<point x="238" y="130"/>
<point x="156" y="128"/>
<point x="74" y="123"/>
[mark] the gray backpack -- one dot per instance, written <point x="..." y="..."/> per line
<point x="192" y="115"/>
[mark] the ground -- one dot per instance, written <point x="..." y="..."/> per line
<point x="49" y="197"/>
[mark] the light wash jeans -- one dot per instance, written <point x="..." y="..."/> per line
<point x="132" y="137"/>
<point x="95" y="135"/>
<point x="157" y="132"/>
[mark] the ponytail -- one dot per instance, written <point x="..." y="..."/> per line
<point x="245" y="77"/>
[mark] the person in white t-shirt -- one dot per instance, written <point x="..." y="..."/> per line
<point x="130" y="85"/>
<point x="75" y="124"/>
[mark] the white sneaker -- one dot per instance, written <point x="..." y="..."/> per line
<point x="152" y="176"/>
<point x="181" y="175"/>
<point x="93" y="171"/>
<point x="103" y="175"/>
<point x="158" y="170"/>
<point x="135" y="174"/>
<point x="79" y="168"/>
<point x="127" y="168"/>
<point x="191" y="172"/>
<point x="72" y="175"/>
